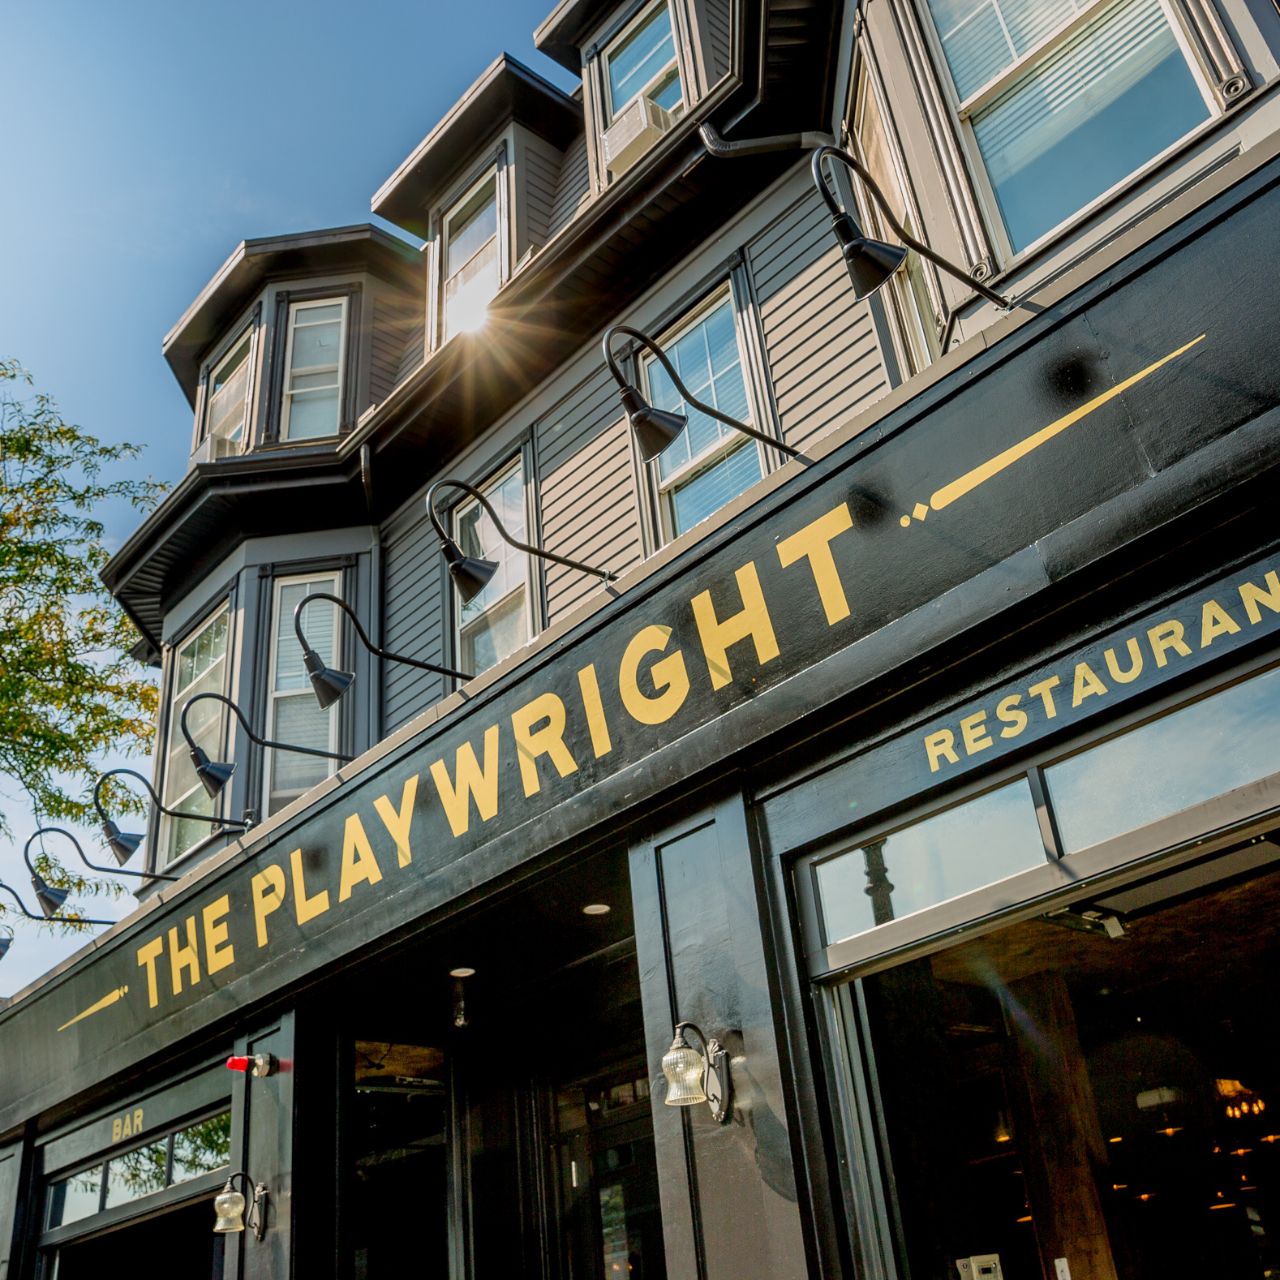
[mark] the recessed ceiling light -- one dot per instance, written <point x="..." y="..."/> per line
<point x="596" y="909"/>
<point x="462" y="972"/>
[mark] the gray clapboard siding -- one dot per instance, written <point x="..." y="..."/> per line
<point x="586" y="488"/>
<point x="573" y="187"/>
<point x="413" y="621"/>
<point x="391" y="325"/>
<point x="541" y="180"/>
<point x="715" y="15"/>
<point x="414" y="347"/>
<point x="820" y="345"/>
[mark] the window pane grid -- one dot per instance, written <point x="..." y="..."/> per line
<point x="313" y="391"/>
<point x="645" y="63"/>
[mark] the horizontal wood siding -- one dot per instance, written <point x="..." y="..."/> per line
<point x="414" y="347"/>
<point x="820" y="345"/>
<point x="573" y="188"/>
<point x="392" y="325"/>
<point x="541" y="179"/>
<point x="715" y="13"/>
<point x="413" y="622"/>
<point x="587" y="489"/>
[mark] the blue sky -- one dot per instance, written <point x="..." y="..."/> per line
<point x="144" y="139"/>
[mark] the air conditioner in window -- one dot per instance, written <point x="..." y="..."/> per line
<point x="634" y="130"/>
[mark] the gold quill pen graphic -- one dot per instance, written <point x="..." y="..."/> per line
<point x="105" y="1003"/>
<point x="971" y="480"/>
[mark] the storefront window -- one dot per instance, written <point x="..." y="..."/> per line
<point x="1182" y="759"/>
<point x="948" y="854"/>
<point x="1060" y="1102"/>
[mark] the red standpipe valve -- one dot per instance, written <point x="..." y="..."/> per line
<point x="260" y="1064"/>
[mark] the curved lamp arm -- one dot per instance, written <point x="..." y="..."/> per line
<point x="604" y="574"/>
<point x="46" y="919"/>
<point x="374" y="649"/>
<point x="616" y="370"/>
<point x="819" y="178"/>
<point x="253" y="737"/>
<point x="232" y="824"/>
<point x="93" y="866"/>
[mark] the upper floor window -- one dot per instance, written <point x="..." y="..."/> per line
<point x="1061" y="100"/>
<point x="198" y="665"/>
<point x="642" y="61"/>
<point x="499" y="620"/>
<point x="227" y="406"/>
<point x="313" y="362"/>
<point x="293" y="715"/>
<point x="708" y="463"/>
<point x="472" y="258"/>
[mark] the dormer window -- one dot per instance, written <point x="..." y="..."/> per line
<point x="472" y="260"/>
<point x="314" y="368"/>
<point x="642" y="63"/>
<point x="227" y="408"/>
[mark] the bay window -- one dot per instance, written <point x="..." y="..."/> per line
<point x="313" y="383"/>
<point x="227" y="406"/>
<point x="293" y="715"/>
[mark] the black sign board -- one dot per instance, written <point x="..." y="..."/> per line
<point x="1131" y="402"/>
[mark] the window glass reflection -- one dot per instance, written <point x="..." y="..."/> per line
<point x="946" y="855"/>
<point x="137" y="1173"/>
<point x="202" y="1148"/>
<point x="76" y="1197"/>
<point x="1161" y="768"/>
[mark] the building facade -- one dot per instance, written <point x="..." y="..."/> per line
<point x="914" y="747"/>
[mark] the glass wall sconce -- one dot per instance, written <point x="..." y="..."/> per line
<point x="229" y="1207"/>
<point x="93" y="866"/>
<point x="59" y="896"/>
<point x="871" y="263"/>
<point x="470" y="574"/>
<point x="656" y="429"/>
<point x="124" y="844"/>
<point x="330" y="684"/>
<point x="697" y="1075"/>
<point x="215" y="774"/>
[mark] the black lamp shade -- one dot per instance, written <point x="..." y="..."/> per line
<point x="654" y="429"/>
<point x="870" y="263"/>
<point x="49" y="898"/>
<point x="123" y="844"/>
<point x="470" y="575"/>
<point x="329" y="685"/>
<point x="5" y="943"/>
<point x="213" y="774"/>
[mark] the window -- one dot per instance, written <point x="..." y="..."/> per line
<point x="497" y="621"/>
<point x="643" y="62"/>
<point x="227" y="409"/>
<point x="708" y="463"/>
<point x="199" y="666"/>
<point x="912" y="304"/>
<point x="472" y="261"/>
<point x="293" y="715"/>
<point x="1063" y="99"/>
<point x="312" y="405"/>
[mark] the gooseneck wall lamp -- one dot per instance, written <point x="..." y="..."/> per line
<point x="697" y="1075"/>
<point x="124" y="844"/>
<point x="229" y="1206"/>
<point x="470" y="574"/>
<point x="215" y="774"/>
<point x="330" y="684"/>
<point x="93" y="866"/>
<point x="31" y="915"/>
<point x="871" y="263"/>
<point x="655" y="429"/>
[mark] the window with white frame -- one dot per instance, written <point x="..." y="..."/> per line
<point x="472" y="258"/>
<point x="293" y="714"/>
<point x="313" y="364"/>
<point x="1062" y="100"/>
<point x="708" y="463"/>
<point x="498" y="621"/>
<point x="913" y="306"/>
<point x="642" y="62"/>
<point x="227" y="404"/>
<point x="198" y="665"/>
